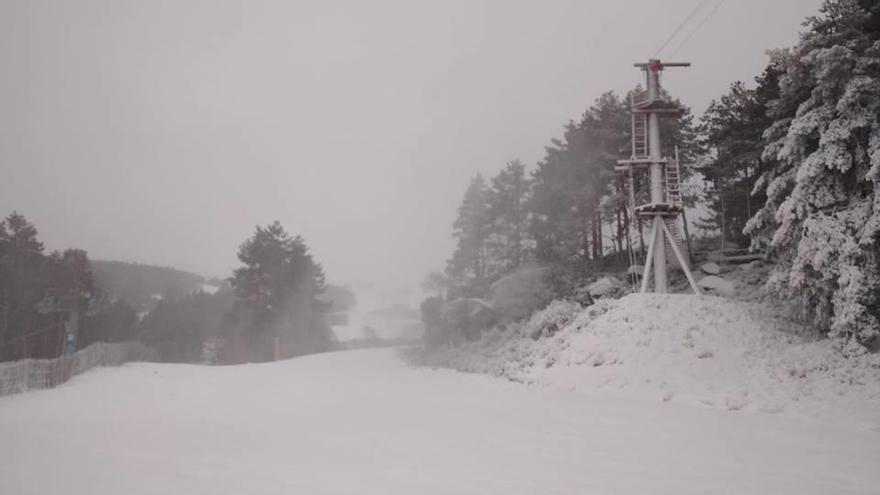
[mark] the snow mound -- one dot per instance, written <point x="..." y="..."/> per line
<point x="705" y="350"/>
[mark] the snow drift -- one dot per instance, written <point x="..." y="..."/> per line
<point x="704" y="350"/>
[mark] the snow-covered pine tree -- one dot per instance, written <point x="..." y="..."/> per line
<point x="822" y="214"/>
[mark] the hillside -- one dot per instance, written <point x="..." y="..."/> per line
<point x="140" y="285"/>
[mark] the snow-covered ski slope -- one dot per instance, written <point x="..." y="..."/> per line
<point x="364" y="422"/>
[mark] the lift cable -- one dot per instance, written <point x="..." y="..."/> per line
<point x="700" y="25"/>
<point x="681" y="26"/>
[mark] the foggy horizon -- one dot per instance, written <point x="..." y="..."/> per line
<point x="163" y="133"/>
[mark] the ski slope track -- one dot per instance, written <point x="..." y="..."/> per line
<point x="364" y="422"/>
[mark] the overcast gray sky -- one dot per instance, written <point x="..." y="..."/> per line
<point x="163" y="131"/>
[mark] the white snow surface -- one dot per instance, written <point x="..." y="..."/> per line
<point x="363" y="422"/>
<point x="706" y="351"/>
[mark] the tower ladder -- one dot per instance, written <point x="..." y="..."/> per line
<point x="639" y="135"/>
<point x="673" y="183"/>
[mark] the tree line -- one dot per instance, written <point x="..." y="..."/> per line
<point x="569" y="213"/>
<point x="789" y="165"/>
<point x="47" y="298"/>
<point x="271" y="307"/>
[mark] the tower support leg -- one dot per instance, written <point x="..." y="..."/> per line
<point x="649" y="259"/>
<point x="659" y="256"/>
<point x="681" y="261"/>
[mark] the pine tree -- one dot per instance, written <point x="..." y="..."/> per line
<point x="822" y="215"/>
<point x="557" y="226"/>
<point x="23" y="273"/>
<point x="732" y="130"/>
<point x="509" y="219"/>
<point x="277" y="291"/>
<point x="574" y="180"/>
<point x="467" y="268"/>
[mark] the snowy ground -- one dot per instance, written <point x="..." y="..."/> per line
<point x="703" y="351"/>
<point x="364" y="422"/>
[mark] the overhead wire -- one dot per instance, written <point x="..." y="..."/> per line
<point x="681" y="25"/>
<point x="700" y="25"/>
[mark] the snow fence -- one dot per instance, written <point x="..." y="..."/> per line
<point x="30" y="374"/>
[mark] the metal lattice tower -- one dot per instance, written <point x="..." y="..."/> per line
<point x="665" y="204"/>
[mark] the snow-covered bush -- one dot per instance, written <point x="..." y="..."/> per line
<point x="606" y="287"/>
<point x="822" y="215"/>
<point x="551" y="319"/>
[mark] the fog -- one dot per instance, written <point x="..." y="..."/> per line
<point x="163" y="132"/>
<point x="432" y="247"/>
